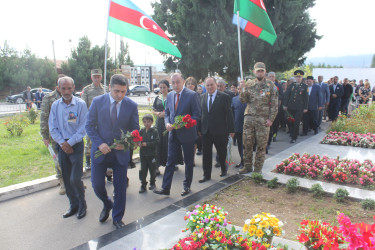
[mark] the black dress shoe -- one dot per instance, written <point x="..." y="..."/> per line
<point x="204" y="179"/>
<point x="292" y="140"/>
<point x="223" y="174"/>
<point x="118" y="224"/>
<point x="104" y="214"/>
<point x="185" y="191"/>
<point x="131" y="165"/>
<point x="81" y="212"/>
<point x="315" y="131"/>
<point x="70" y="212"/>
<point x="217" y="165"/>
<point x="162" y="191"/>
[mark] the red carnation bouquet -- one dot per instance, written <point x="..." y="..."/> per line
<point x="290" y="118"/>
<point x="182" y="121"/>
<point x="128" y="140"/>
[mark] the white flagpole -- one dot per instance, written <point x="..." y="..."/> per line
<point x="239" y="42"/>
<point x="105" y="51"/>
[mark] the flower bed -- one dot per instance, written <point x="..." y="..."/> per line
<point x="336" y="170"/>
<point x="314" y="234"/>
<point x="350" y="139"/>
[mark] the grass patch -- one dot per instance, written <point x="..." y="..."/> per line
<point x="25" y="158"/>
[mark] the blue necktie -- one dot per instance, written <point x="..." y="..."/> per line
<point x="114" y="113"/>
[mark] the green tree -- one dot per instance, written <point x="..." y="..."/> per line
<point x="123" y="55"/>
<point x="25" y="69"/>
<point x="207" y="39"/>
<point x="373" y="62"/>
<point x="83" y="59"/>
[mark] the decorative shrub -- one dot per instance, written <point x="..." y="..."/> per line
<point x="368" y="204"/>
<point x="32" y="114"/>
<point x="257" y="177"/>
<point x="341" y="195"/>
<point x="317" y="190"/>
<point x="16" y="124"/>
<point x="272" y="183"/>
<point x="292" y="185"/>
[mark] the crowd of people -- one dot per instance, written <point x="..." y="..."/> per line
<point x="247" y="114"/>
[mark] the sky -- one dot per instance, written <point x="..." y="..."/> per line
<point x="346" y="26"/>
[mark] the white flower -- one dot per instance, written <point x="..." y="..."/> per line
<point x="257" y="219"/>
<point x="268" y="232"/>
<point x="265" y="218"/>
<point x="281" y="224"/>
<point x="247" y="221"/>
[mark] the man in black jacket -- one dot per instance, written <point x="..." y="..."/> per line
<point x="336" y="92"/>
<point x="345" y="99"/>
<point x="215" y="126"/>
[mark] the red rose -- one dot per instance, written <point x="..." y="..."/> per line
<point x="186" y="118"/>
<point x="135" y="133"/>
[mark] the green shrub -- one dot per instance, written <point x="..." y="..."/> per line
<point x="368" y="204"/>
<point x="341" y="195"/>
<point x="317" y="190"/>
<point x="15" y="124"/>
<point x="32" y="114"/>
<point x="292" y="185"/>
<point x="257" y="177"/>
<point x="272" y="183"/>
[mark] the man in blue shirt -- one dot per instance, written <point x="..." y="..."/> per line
<point x="67" y="128"/>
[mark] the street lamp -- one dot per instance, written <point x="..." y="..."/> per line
<point x="225" y="69"/>
<point x="177" y="63"/>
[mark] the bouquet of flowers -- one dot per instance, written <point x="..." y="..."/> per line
<point x="359" y="236"/>
<point x="320" y="235"/>
<point x="182" y="121"/>
<point x="128" y="140"/>
<point x="206" y="216"/>
<point x="289" y="117"/>
<point x="262" y="227"/>
<point x="218" y="239"/>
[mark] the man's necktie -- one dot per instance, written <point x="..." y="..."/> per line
<point x="178" y="100"/>
<point x="210" y="104"/>
<point x="114" y="113"/>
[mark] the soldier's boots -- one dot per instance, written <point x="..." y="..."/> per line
<point x="88" y="163"/>
<point x="62" y="187"/>
<point x="245" y="170"/>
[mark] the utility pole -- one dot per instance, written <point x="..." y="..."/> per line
<point x="54" y="57"/>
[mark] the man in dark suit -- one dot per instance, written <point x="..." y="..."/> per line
<point x="108" y="115"/>
<point x="215" y="126"/>
<point x="180" y="101"/>
<point x="324" y="90"/>
<point x="310" y="118"/>
<point x="336" y="92"/>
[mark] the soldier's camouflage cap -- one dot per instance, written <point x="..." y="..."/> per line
<point x="96" y="72"/>
<point x="299" y="72"/>
<point x="259" y="66"/>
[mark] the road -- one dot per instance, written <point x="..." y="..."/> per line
<point x="35" y="221"/>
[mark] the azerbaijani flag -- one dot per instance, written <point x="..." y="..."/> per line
<point x="254" y="19"/>
<point x="126" y="19"/>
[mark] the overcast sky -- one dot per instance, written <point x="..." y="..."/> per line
<point x="347" y="27"/>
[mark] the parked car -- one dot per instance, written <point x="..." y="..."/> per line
<point x="18" y="98"/>
<point x="138" y="90"/>
<point x="78" y="94"/>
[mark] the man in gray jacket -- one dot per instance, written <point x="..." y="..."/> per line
<point x="324" y="90"/>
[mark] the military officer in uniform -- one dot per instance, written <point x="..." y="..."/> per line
<point x="296" y="101"/>
<point x="44" y="129"/>
<point x="88" y="93"/>
<point x="261" y="97"/>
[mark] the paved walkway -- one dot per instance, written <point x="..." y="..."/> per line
<point x="35" y="221"/>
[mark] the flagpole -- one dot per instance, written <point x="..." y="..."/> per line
<point x="239" y="42"/>
<point x="106" y="51"/>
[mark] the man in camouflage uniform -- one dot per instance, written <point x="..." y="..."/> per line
<point x="261" y="97"/>
<point x="296" y="101"/>
<point x="88" y="93"/>
<point x="44" y="129"/>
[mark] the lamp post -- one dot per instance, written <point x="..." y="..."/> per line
<point x="225" y="69"/>
<point x="177" y="63"/>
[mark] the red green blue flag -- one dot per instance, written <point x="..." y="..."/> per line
<point x="127" y="20"/>
<point x="254" y="19"/>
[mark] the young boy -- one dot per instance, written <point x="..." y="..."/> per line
<point x="147" y="152"/>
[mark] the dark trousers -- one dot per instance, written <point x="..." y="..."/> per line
<point x="345" y="105"/>
<point x="174" y="149"/>
<point x="98" y="173"/>
<point x="220" y="142"/>
<point x="310" y="120"/>
<point x="320" y="116"/>
<point x="147" y="165"/>
<point x="198" y="141"/>
<point x="294" y="126"/>
<point x="334" y="109"/>
<point x="238" y="135"/>
<point x="72" y="170"/>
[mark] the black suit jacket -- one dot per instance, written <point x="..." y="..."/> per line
<point x="339" y="91"/>
<point x="219" y="121"/>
